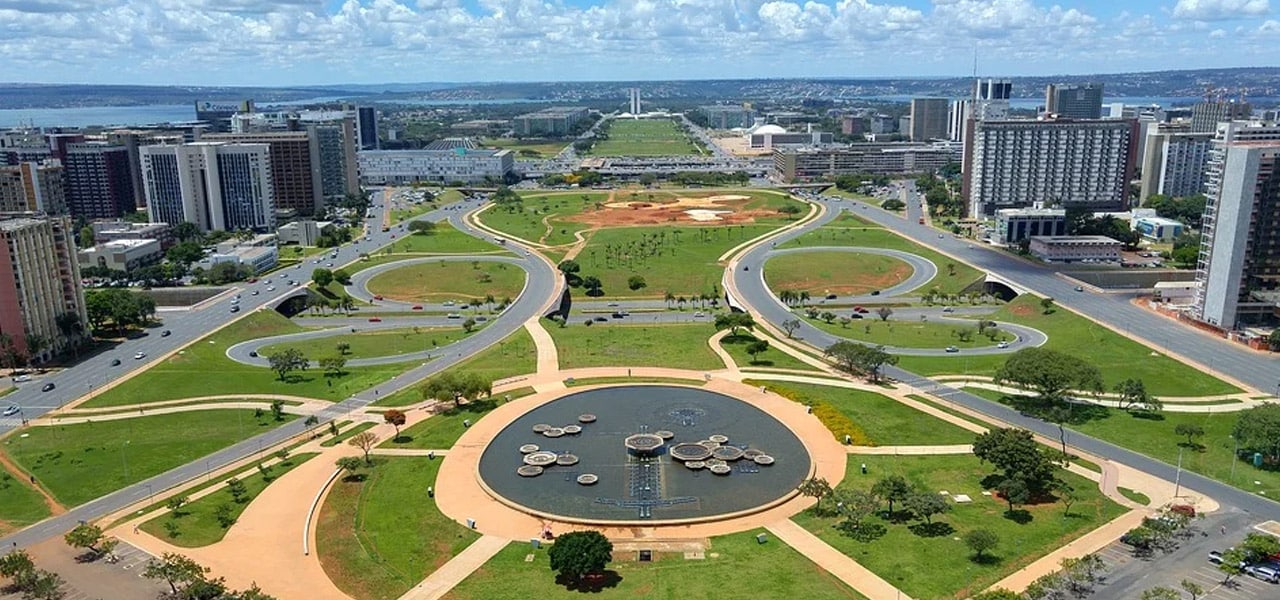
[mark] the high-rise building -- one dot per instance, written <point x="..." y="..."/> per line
<point x="216" y="185"/>
<point x="367" y="127"/>
<point x="296" y="174"/>
<point x="32" y="187"/>
<point x="218" y="114"/>
<point x="98" y="182"/>
<point x="131" y="140"/>
<point x="633" y="100"/>
<point x="39" y="282"/>
<point x="1173" y="161"/>
<point x="555" y="121"/>
<point x="1238" y="272"/>
<point x="811" y="164"/>
<point x="1206" y="115"/>
<point x="336" y="146"/>
<point x="991" y="99"/>
<point x="1056" y="162"/>
<point x="727" y="116"/>
<point x="960" y="113"/>
<point x="929" y="119"/>
<point x="1073" y="100"/>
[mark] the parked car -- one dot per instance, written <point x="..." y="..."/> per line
<point x="952" y="349"/>
<point x="1079" y="288"/>
<point x="1266" y="573"/>
<point x="48" y="387"/>
<point x="22" y="378"/>
<point x="455" y="316"/>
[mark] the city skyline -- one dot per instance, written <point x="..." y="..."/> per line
<point x="316" y="42"/>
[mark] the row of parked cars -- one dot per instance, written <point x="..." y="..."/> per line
<point x="1266" y="570"/>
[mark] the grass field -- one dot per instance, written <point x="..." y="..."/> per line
<point x="442" y="430"/>
<point x="20" y="505"/>
<point x="83" y="461"/>
<point x="1116" y="356"/>
<point x="644" y="137"/>
<point x="378" y="538"/>
<point x="542" y="218"/>
<point x="437" y="282"/>
<point x="368" y="344"/>
<point x="526" y="148"/>
<point x="843" y="273"/>
<point x="514" y="355"/>
<point x="883" y="420"/>
<point x="675" y="346"/>
<point x="198" y="522"/>
<point x="907" y="334"/>
<point x="203" y="368"/>
<point x="849" y="233"/>
<point x="683" y="262"/>
<point x="940" y="566"/>
<point x="1154" y="436"/>
<point x="736" y="566"/>
<point x="444" y="240"/>
<point x="736" y="346"/>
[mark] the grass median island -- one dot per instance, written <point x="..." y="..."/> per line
<point x="20" y="504"/>
<point x="543" y="218"/>
<point x="376" y="343"/>
<point x="448" y="280"/>
<point x="203" y="369"/>
<point x="843" y="273"/>
<point x="941" y="566"/>
<point x="644" y="137"/>
<point x="379" y="537"/>
<point x="638" y="345"/>
<point x="910" y="334"/>
<point x="879" y="420"/>
<point x="1118" y="357"/>
<point x="681" y="260"/>
<point x="82" y="461"/>
<point x="736" y="346"/>
<point x="196" y="523"/>
<point x="736" y="566"/>
<point x="445" y="239"/>
<point x="1153" y="435"/>
<point x="949" y="280"/>
<point x="514" y="355"/>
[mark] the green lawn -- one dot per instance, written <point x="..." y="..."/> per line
<point x="525" y="148"/>
<point x="941" y="567"/>
<point x="378" y="538"/>
<point x="681" y="260"/>
<point x="736" y="346"/>
<point x="1154" y="436"/>
<point x="843" y="234"/>
<point x="444" y="240"/>
<point x="442" y="430"/>
<point x="544" y="217"/>
<point x="20" y="505"/>
<point x="884" y="421"/>
<point x="644" y="137"/>
<point x="1118" y="357"/>
<point x="197" y="521"/>
<point x="907" y="334"/>
<point x="345" y="432"/>
<point x="369" y="344"/>
<point x="843" y="273"/>
<point x="448" y="280"/>
<point x="203" y="369"/>
<point x="735" y="566"/>
<point x="514" y="355"/>
<point x="675" y="346"/>
<point x="83" y="461"/>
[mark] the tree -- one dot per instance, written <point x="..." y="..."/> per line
<point x="1046" y="305"/>
<point x="15" y="563"/>
<point x="998" y="594"/>
<point x="1133" y="396"/>
<point x="1160" y="593"/>
<point x="1258" y="430"/>
<point x="286" y="361"/>
<point x="333" y="365"/>
<point x="893" y="488"/>
<point x="176" y="503"/>
<point x="1017" y="455"/>
<point x="884" y="312"/>
<point x="365" y="440"/>
<point x="757" y="347"/>
<point x="1193" y="588"/>
<point x="1015" y="492"/>
<point x="322" y="277"/>
<point x="854" y="506"/>
<point x="86" y="536"/>
<point x="239" y="492"/>
<point x="469" y="325"/>
<point x="734" y="321"/>
<point x="980" y="541"/>
<point x="816" y="488"/>
<point x="580" y="553"/>
<point x="1260" y="546"/>
<point x="350" y="464"/>
<point x="343" y="277"/>
<point x="394" y="418"/>
<point x="277" y="410"/>
<point x="422" y="227"/>
<point x="42" y="585"/>
<point x="925" y="505"/>
<point x="636" y="282"/>
<point x="343" y="348"/>
<point x="185" y="253"/>
<point x="454" y="387"/>
<point x="827" y="317"/>
<point x="1273" y="340"/>
<point x="1191" y="430"/>
<point x="175" y="570"/>
<point x="1233" y="562"/>
<point x="594" y="285"/>
<point x="790" y="326"/>
<point x="1049" y="372"/>
<point x="859" y="358"/>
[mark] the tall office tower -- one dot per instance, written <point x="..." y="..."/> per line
<point x="1016" y="164"/>
<point x="633" y="100"/>
<point x="296" y="179"/>
<point x="1073" y="100"/>
<point x="131" y="140"/>
<point x="928" y="119"/>
<point x="1174" y="159"/>
<point x="1205" y="116"/>
<point x="216" y="185"/>
<point x="336" y="148"/>
<point x="39" y="282"/>
<point x="32" y="187"/>
<point x="961" y="112"/>
<point x="991" y="99"/>
<point x="99" y="185"/>
<point x="367" y="127"/>
<point x="60" y="143"/>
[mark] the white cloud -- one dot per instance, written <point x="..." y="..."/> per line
<point x="1220" y="10"/>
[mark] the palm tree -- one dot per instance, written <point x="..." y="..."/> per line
<point x="803" y="297"/>
<point x="69" y="325"/>
<point x="346" y="304"/>
<point x="669" y="298"/>
<point x="681" y="302"/>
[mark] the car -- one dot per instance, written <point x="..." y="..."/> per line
<point x="254" y="293"/>
<point x="612" y="304"/>
<point x="253" y="354"/>
<point x="831" y="296"/>
<point x="617" y="315"/>
<point x="22" y="378"/>
<point x="375" y="319"/>
<point x="948" y="309"/>
<point x="939" y="236"/>
<point x="698" y="315"/>
<point x="1266" y="573"/>
<point x="860" y="309"/>
<point x="855" y="316"/>
<point x="48" y="387"/>
<point x="952" y="349"/>
<point x="377" y="296"/>
<point x="455" y="316"/>
<point x="601" y="319"/>
<point x="165" y="333"/>
<point x="481" y="319"/>
<point x="1079" y="288"/>
<point x="293" y="283"/>
<point x="875" y="292"/>
<point x="235" y="301"/>
<point x="330" y="265"/>
<point x="267" y="282"/>
<point x="449" y="303"/>
<point x="416" y="307"/>
<point x="746" y="268"/>
<point x="1002" y="345"/>
<point x="12" y="410"/>
<point x="235" y="309"/>
<point x="115" y="362"/>
<point x="298" y="266"/>
<point x="271" y="288"/>
<point x="139" y="355"/>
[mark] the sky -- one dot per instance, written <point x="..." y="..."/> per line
<point x="300" y="42"/>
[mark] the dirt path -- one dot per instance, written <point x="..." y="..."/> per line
<point x="23" y="478"/>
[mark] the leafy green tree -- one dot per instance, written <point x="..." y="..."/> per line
<point x="286" y="361"/>
<point x="86" y="536"/>
<point x="998" y="594"/>
<point x="1046" y="305"/>
<point x="1191" y="430"/>
<point x="884" y="312"/>
<point x="860" y="358"/>
<point x="322" y="276"/>
<point x="343" y="348"/>
<point x="176" y="570"/>
<point x="1193" y="588"/>
<point x="455" y="387"/>
<point x="185" y="253"/>
<point x="1049" y="372"/>
<point x="186" y="231"/>
<point x="1134" y="396"/>
<point x="756" y="348"/>
<point x="469" y="325"/>
<point x="350" y="464"/>
<point x="1233" y="563"/>
<point x="1015" y="492"/>
<point x="893" y="488"/>
<point x="1160" y="593"/>
<point x="636" y="282"/>
<point x="924" y="505"/>
<point x="734" y="321"/>
<point x="85" y="238"/>
<point x="1273" y="340"/>
<point x="594" y="285"/>
<point x="855" y="506"/>
<point x="981" y="541"/>
<point x="1258" y="430"/>
<point x="42" y="585"/>
<point x="176" y="503"/>
<point x="1017" y="455"/>
<point x="15" y="563"/>
<point x="332" y="365"/>
<point x="239" y="492"/>
<point x="580" y="553"/>
<point x="277" y="410"/>
<point x="816" y="488"/>
<point x="421" y="227"/>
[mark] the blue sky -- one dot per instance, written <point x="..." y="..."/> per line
<point x="285" y="42"/>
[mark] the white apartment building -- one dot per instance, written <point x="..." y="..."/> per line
<point x="394" y="167"/>
<point x="216" y="185"/>
<point x="1174" y="160"/>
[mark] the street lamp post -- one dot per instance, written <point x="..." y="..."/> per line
<point x="1235" y="458"/>
<point x="1177" y="479"/>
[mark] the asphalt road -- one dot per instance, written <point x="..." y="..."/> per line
<point x="187" y="327"/>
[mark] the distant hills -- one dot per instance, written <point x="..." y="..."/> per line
<point x="1254" y="82"/>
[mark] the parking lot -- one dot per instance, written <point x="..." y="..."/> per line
<point x="1241" y="587"/>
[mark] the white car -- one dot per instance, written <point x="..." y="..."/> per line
<point x="271" y="288"/>
<point x="139" y="356"/>
<point x="22" y="378"/>
<point x="1002" y="345"/>
<point x="12" y="410"/>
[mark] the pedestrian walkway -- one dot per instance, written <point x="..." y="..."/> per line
<point x="910" y="450"/>
<point x="846" y="569"/>
<point x="440" y="581"/>
<point x="719" y="351"/>
<point x="1178" y="404"/>
<point x="1089" y="543"/>
<point x="407" y="452"/>
<point x="544" y="346"/>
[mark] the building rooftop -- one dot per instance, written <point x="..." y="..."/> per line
<point x="123" y="244"/>
<point x="1032" y="212"/>
<point x="1074" y="239"/>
